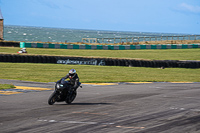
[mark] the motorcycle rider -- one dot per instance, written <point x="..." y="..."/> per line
<point x="74" y="79"/>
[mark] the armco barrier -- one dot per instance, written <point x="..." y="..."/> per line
<point x="107" y="47"/>
<point x="97" y="61"/>
<point x="10" y="44"/>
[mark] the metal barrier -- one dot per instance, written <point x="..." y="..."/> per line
<point x="107" y="47"/>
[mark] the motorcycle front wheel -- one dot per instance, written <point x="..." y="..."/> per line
<point x="52" y="98"/>
<point x="70" y="98"/>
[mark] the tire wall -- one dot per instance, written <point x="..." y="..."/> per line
<point x="98" y="61"/>
<point x="10" y="44"/>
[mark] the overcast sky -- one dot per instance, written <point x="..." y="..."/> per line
<point x="166" y="16"/>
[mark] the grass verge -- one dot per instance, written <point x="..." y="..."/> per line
<point x="168" y="54"/>
<point x="6" y="86"/>
<point x="96" y="74"/>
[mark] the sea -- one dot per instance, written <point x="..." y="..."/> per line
<point x="46" y="34"/>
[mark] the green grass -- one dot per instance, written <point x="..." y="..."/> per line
<point x="169" y="54"/>
<point x="6" y="86"/>
<point x="53" y="72"/>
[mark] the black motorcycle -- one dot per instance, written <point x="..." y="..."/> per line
<point x="63" y="92"/>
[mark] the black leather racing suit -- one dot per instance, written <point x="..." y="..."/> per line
<point x="74" y="80"/>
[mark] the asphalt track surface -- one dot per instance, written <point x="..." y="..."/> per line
<point x="122" y="108"/>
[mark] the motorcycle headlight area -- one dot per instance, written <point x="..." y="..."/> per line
<point x="59" y="86"/>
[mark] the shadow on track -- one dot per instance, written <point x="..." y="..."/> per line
<point x="85" y="104"/>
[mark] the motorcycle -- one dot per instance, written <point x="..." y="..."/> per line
<point x="63" y="92"/>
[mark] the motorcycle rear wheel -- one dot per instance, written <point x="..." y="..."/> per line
<point x="52" y="98"/>
<point x="71" y="97"/>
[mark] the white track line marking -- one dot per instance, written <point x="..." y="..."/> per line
<point x="90" y="123"/>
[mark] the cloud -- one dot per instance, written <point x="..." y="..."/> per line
<point x="189" y="8"/>
<point x="52" y="4"/>
<point x="49" y="4"/>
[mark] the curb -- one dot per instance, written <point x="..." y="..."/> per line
<point x="132" y="83"/>
<point x="24" y="89"/>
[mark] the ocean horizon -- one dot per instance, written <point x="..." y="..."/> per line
<point x="49" y="34"/>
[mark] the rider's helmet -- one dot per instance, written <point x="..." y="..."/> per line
<point x="72" y="72"/>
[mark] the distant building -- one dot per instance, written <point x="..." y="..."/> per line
<point x="1" y="26"/>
